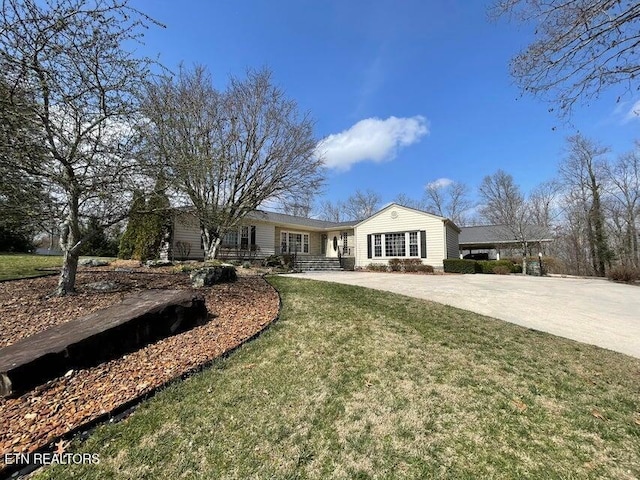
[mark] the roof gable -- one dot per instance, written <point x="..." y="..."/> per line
<point x="409" y="209"/>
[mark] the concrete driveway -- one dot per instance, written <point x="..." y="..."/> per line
<point x="592" y="311"/>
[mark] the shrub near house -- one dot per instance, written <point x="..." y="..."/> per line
<point x="502" y="267"/>
<point x="405" y="265"/>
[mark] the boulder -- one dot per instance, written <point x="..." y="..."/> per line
<point x="204" y="277"/>
<point x="157" y="263"/>
<point x="92" y="262"/>
<point x="105" y="286"/>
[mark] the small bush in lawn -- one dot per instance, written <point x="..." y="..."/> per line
<point x="424" y="268"/>
<point x="502" y="270"/>
<point x="395" y="264"/>
<point x="624" y="273"/>
<point x="455" y="265"/>
<point x="246" y="265"/>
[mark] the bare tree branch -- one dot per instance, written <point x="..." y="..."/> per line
<point x="582" y="47"/>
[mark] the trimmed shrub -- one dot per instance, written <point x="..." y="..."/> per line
<point x="411" y="264"/>
<point x="516" y="268"/>
<point x="488" y="266"/>
<point x="502" y="270"/>
<point x="424" y="268"/>
<point x="455" y="265"/>
<point x="624" y="273"/>
<point x="395" y="265"/>
<point x="377" y="267"/>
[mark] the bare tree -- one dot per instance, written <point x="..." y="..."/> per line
<point x="406" y="201"/>
<point x="300" y="206"/>
<point x="333" y="211"/>
<point x="227" y="152"/>
<point x="623" y="185"/>
<point x="580" y="49"/>
<point x="450" y="200"/>
<point x="544" y="202"/>
<point x="68" y="56"/>
<point x="361" y="204"/>
<point x="504" y="204"/>
<point x="582" y="172"/>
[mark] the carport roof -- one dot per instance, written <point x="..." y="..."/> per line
<point x="501" y="234"/>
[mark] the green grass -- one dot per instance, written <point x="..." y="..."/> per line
<point x="355" y="383"/>
<point x="13" y="266"/>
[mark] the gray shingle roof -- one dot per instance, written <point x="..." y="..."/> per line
<point x="294" y="220"/>
<point x="496" y="234"/>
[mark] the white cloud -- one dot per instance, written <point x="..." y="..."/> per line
<point x="440" y="183"/>
<point x="633" y="113"/>
<point x="371" y="139"/>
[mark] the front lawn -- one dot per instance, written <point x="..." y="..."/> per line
<point x="356" y="383"/>
<point x="25" y="266"/>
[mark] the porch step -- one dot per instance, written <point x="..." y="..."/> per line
<point x="315" y="264"/>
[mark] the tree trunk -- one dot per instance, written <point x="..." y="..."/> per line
<point x="67" y="281"/>
<point x="211" y="244"/>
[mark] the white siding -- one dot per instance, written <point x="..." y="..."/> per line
<point x="265" y="237"/>
<point x="453" y="246"/>
<point x="397" y="219"/>
<point x="187" y="230"/>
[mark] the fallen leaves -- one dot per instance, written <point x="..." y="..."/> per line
<point x="519" y="405"/>
<point x="49" y="411"/>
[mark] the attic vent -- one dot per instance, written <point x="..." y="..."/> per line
<point x="394" y="214"/>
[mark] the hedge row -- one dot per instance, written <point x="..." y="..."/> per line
<point x="401" y="265"/>
<point x="455" y="265"/>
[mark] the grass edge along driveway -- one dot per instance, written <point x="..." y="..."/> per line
<point x="357" y="383"/>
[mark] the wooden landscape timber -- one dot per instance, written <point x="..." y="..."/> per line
<point x="103" y="335"/>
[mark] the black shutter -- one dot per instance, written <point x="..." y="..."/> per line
<point x="423" y="244"/>
<point x="253" y="235"/>
<point x="368" y="246"/>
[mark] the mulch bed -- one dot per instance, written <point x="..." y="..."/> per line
<point x="49" y="411"/>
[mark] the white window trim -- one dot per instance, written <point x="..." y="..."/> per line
<point x="292" y="232"/>
<point x="407" y="245"/>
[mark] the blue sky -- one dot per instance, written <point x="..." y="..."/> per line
<point x="404" y="92"/>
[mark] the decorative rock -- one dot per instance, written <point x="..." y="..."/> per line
<point x="105" y="286"/>
<point x="157" y="263"/>
<point x="204" y="277"/>
<point x="92" y="262"/>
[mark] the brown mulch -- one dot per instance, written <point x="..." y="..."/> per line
<point x="49" y="411"/>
